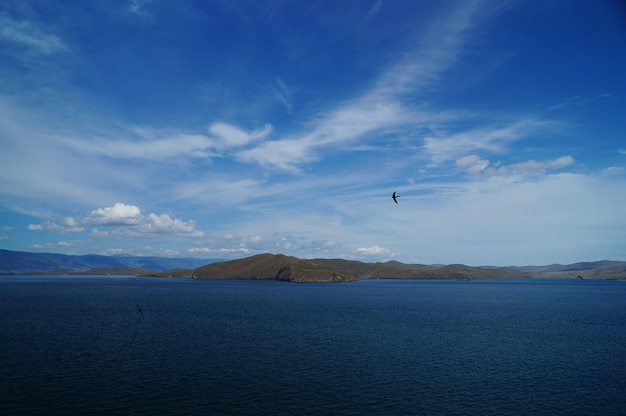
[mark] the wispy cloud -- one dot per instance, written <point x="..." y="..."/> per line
<point x="31" y="37"/>
<point x="283" y="94"/>
<point x="139" y="7"/>
<point x="476" y="165"/>
<point x="152" y="149"/>
<point x="578" y="100"/>
<point x="152" y="144"/>
<point x="373" y="11"/>
<point x="532" y="166"/>
<point x="489" y="139"/>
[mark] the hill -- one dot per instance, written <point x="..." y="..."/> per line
<point x="397" y="270"/>
<point x="280" y="267"/>
<point x="273" y="266"/>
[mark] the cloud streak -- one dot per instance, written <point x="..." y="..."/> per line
<point x="494" y="140"/>
<point x="151" y="144"/>
<point x="30" y="37"/>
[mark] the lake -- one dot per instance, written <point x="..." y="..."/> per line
<point x="78" y="345"/>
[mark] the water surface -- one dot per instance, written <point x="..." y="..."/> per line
<point x="71" y="345"/>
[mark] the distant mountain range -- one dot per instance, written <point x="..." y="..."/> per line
<point x="25" y="262"/>
<point x="281" y="267"/>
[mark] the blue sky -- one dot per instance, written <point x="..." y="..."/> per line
<point x="224" y="129"/>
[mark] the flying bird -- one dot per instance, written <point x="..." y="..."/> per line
<point x="395" y="197"/>
<point x="139" y="309"/>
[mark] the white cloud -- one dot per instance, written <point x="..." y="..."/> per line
<point x="358" y="120"/>
<point x="224" y="251"/>
<point x="285" y="154"/>
<point x="164" y="224"/>
<point x="67" y="226"/>
<point x="474" y="164"/>
<point x="532" y="166"/>
<point x="373" y="251"/>
<point x="147" y="147"/>
<point x="150" y="144"/>
<point x="230" y="136"/>
<point x="123" y="220"/>
<point x="118" y="214"/>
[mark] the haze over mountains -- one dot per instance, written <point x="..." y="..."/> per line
<point x="286" y="268"/>
<point x="26" y="262"/>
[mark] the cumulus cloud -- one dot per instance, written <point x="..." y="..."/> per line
<point x="118" y="214"/>
<point x="164" y="224"/>
<point x="123" y="220"/>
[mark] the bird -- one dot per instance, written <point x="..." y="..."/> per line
<point x="580" y="277"/>
<point x="395" y="197"/>
<point x="139" y="309"/>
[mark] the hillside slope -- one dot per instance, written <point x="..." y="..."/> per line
<point x="273" y="266"/>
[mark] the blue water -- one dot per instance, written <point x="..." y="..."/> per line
<point x="77" y="345"/>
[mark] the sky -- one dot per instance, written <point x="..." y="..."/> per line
<point x="225" y="129"/>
